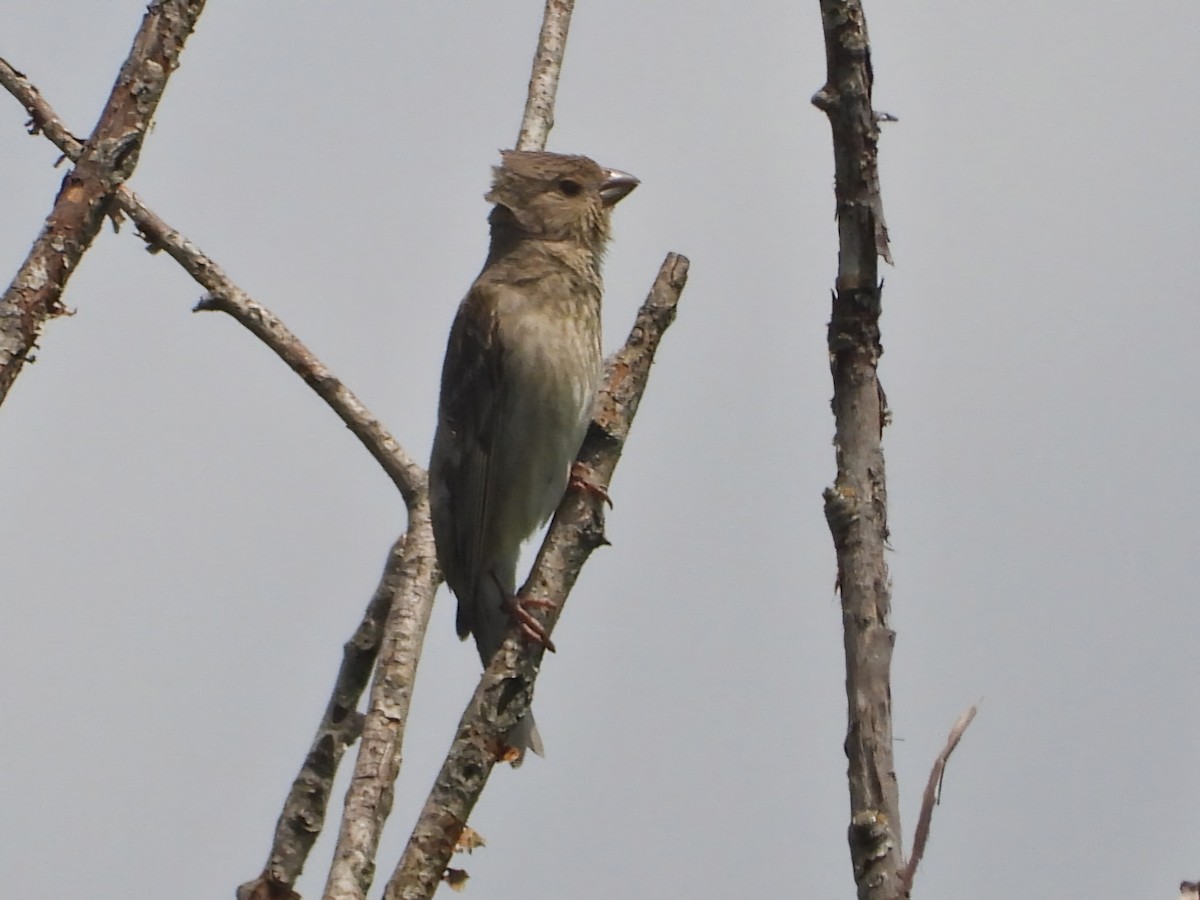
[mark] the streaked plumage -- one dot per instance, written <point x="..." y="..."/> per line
<point x="522" y="366"/>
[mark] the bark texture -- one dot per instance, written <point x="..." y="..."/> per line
<point x="856" y="504"/>
<point x="108" y="159"/>
<point x="543" y="79"/>
<point x="369" y="798"/>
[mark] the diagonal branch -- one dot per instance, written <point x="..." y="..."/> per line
<point x="107" y="160"/>
<point x="226" y="296"/>
<point x="506" y="689"/>
<point x="931" y="798"/>
<point x="856" y="505"/>
<point x="410" y="576"/>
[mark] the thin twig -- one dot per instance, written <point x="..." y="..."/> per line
<point x="108" y="159"/>
<point x="42" y="117"/>
<point x="223" y="294"/>
<point x="506" y="689"/>
<point x="933" y="789"/>
<point x="543" y="80"/>
<point x="856" y="505"/>
<point x="406" y="474"/>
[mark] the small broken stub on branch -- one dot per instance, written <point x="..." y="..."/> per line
<point x="469" y="840"/>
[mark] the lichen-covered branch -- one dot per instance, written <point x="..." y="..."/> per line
<point x="856" y="504"/>
<point x="506" y="689"/>
<point x="107" y="160"/>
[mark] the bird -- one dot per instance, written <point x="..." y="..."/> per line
<point x="521" y="369"/>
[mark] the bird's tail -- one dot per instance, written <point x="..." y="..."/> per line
<point x="524" y="735"/>
<point x="488" y="621"/>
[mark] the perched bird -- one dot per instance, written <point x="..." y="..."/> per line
<point x="522" y="366"/>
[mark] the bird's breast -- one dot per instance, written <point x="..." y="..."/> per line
<point x="551" y="371"/>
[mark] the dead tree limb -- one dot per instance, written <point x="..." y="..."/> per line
<point x="405" y="594"/>
<point x="856" y="504"/>
<point x="404" y="599"/>
<point x="543" y="80"/>
<point x="226" y="296"/>
<point x="303" y="814"/>
<point x="933" y="789"/>
<point x="108" y="159"/>
<point x="369" y="798"/>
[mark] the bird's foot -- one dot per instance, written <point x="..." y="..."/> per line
<point x="582" y="479"/>
<point x="518" y="607"/>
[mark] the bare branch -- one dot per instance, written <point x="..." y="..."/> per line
<point x="369" y="798"/>
<point x="406" y="474"/>
<point x="108" y="159"/>
<point x="856" y="505"/>
<point x="506" y="689"/>
<point x="543" y="80"/>
<point x="226" y="296"/>
<point x="303" y="813"/>
<point x="411" y="574"/>
<point x="42" y="117"/>
<point x="846" y="99"/>
<point x="304" y="810"/>
<point x="933" y="789"/>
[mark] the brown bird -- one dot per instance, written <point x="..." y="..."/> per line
<point x="522" y="366"/>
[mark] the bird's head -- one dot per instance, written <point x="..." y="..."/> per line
<point x="554" y="197"/>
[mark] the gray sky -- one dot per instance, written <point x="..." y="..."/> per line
<point x="189" y="535"/>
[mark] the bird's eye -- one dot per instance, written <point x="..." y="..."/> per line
<point x="570" y="188"/>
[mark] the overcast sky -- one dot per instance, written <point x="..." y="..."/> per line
<point x="188" y="534"/>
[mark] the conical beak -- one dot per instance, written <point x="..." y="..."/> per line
<point x="617" y="184"/>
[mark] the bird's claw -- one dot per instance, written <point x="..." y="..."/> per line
<point x="517" y="607"/>
<point x="581" y="480"/>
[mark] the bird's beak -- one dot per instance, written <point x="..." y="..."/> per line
<point x="616" y="185"/>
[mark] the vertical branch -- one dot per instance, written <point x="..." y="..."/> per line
<point x="369" y="798"/>
<point x="856" y="505"/>
<point x="107" y="161"/>
<point x="303" y="814"/>
<point x="543" y="80"/>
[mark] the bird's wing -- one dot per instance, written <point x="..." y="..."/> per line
<point x="471" y="404"/>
